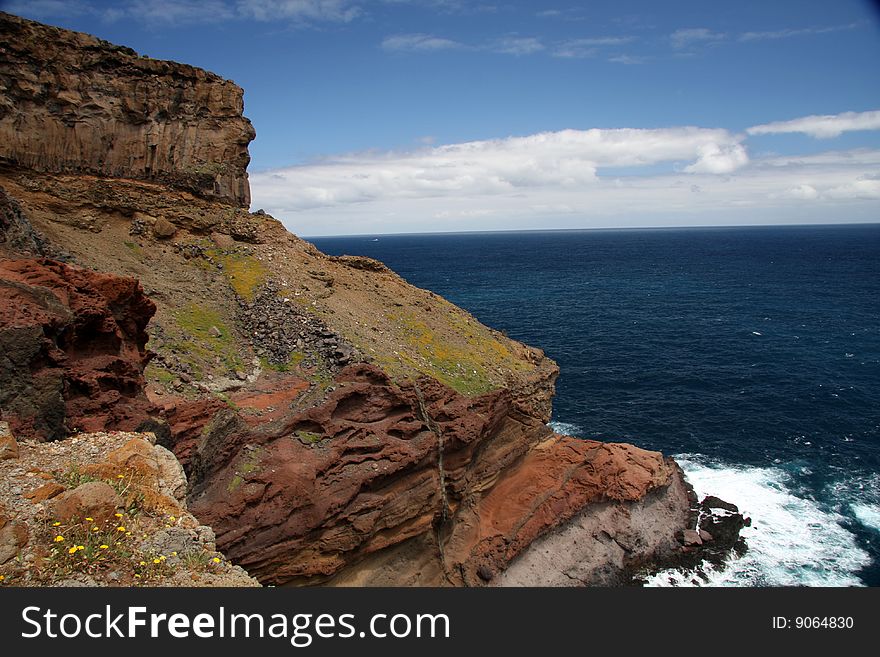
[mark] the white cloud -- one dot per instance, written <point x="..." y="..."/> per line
<point x="588" y="47"/>
<point x="794" y="32"/>
<point x="571" y="178"/>
<point x="864" y="188"/>
<point x="536" y="164"/>
<point x="517" y="46"/>
<point x="173" y="12"/>
<point x="687" y="37"/>
<point x="419" y="42"/>
<point x="309" y="10"/>
<point x="822" y="126"/>
<point x="803" y="192"/>
<point x="627" y="59"/>
<point x="45" y="8"/>
<point x="719" y="158"/>
<point x="185" y="12"/>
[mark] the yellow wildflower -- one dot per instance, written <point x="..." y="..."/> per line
<point x="157" y="561"/>
<point x="59" y="538"/>
<point x="174" y="554"/>
<point x="56" y="524"/>
<point x="118" y="515"/>
<point x="72" y="550"/>
<point x="172" y="518"/>
<point x="142" y="563"/>
<point x="103" y="547"/>
<point x="96" y="529"/>
<point x="90" y="520"/>
<point x="216" y="559"/>
<point x="120" y="528"/>
<point x="120" y="476"/>
<point x="2" y="577"/>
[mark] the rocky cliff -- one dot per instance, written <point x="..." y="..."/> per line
<point x="71" y="103"/>
<point x="337" y="424"/>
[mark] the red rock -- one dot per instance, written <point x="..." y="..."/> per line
<point x="359" y="475"/>
<point x="73" y="344"/>
<point x="45" y="492"/>
<point x="8" y="444"/>
<point x="13" y="537"/>
<point x="95" y="499"/>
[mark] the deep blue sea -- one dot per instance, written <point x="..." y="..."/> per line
<point x="752" y="354"/>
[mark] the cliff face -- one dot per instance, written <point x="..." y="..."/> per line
<point x="337" y="424"/>
<point x="72" y="349"/>
<point x="71" y="103"/>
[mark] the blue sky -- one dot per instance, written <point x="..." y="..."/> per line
<point x="377" y="116"/>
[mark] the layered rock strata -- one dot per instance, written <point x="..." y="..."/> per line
<point x="71" y="103"/>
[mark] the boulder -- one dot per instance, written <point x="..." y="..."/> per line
<point x="45" y="492"/>
<point x="8" y="444"/>
<point x="13" y="537"/>
<point x="94" y="499"/>
<point x="163" y="229"/>
<point x="691" y="537"/>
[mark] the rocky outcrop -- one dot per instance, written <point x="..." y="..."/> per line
<point x="17" y="235"/>
<point x="103" y="509"/>
<point x="465" y="484"/>
<point x="71" y="103"/>
<point x="72" y="349"/>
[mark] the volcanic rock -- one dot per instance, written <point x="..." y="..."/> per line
<point x="94" y="499"/>
<point x="72" y="103"/>
<point x="72" y="349"/>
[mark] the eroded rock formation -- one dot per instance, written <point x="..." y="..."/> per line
<point x="71" y="103"/>
<point x="72" y="349"/>
<point x="461" y="485"/>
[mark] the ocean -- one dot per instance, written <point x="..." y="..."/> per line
<point x="752" y="354"/>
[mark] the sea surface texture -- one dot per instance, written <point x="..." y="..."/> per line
<point x="751" y="354"/>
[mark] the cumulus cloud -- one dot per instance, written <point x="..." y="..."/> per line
<point x="381" y="194"/>
<point x="561" y="160"/>
<point x="714" y="157"/>
<point x="822" y="126"/>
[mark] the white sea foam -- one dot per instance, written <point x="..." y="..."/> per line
<point x="793" y="541"/>
<point x="566" y="428"/>
<point x="867" y="514"/>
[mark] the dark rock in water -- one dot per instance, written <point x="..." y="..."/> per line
<point x="711" y="502"/>
<point x="691" y="537"/>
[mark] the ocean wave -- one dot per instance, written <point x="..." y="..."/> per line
<point x="867" y="514"/>
<point x="566" y="428"/>
<point x="793" y="541"/>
